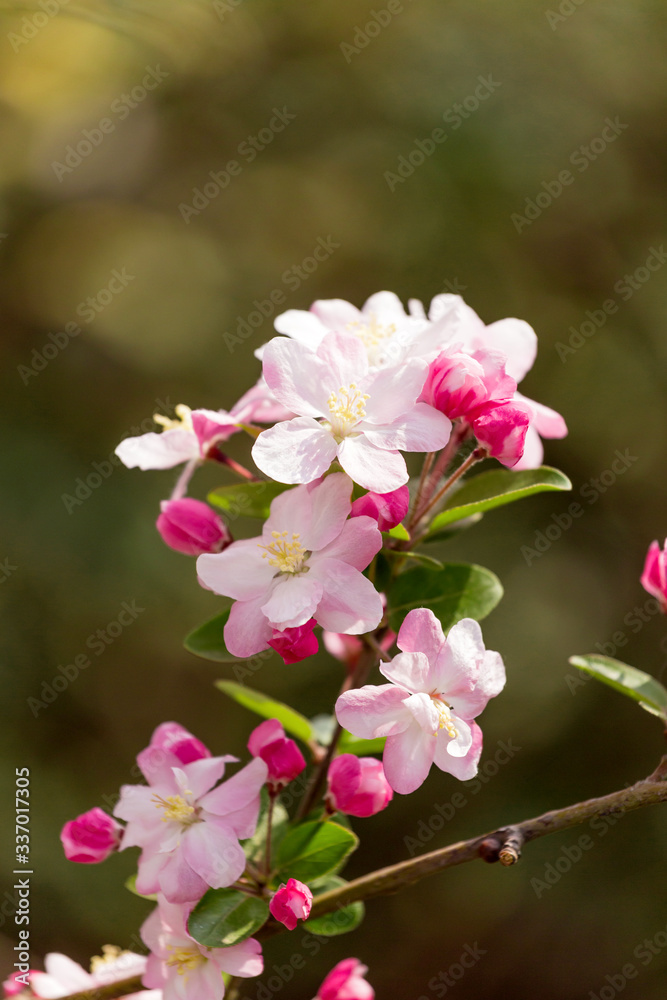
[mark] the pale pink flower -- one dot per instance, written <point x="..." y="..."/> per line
<point x="189" y="830"/>
<point x="381" y="325"/>
<point x="185" y="970"/>
<point x="192" y="527"/>
<point x="63" y="976"/>
<point x="346" y="982"/>
<point x="346" y="412"/>
<point x="295" y="644"/>
<point x="388" y="509"/>
<point x="189" y="437"/>
<point x="357" y="786"/>
<point x="91" y="837"/>
<point x="292" y="902"/>
<point x="437" y="687"/>
<point x="280" y="754"/>
<point x="654" y="576"/>
<point x="306" y="564"/>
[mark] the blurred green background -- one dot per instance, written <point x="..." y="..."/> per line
<point x="180" y="88"/>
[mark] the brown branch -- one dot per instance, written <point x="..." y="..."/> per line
<point x="503" y="845"/>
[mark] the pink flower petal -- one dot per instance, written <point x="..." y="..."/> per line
<point x="465" y="767"/>
<point x="244" y="959"/>
<point x="350" y="603"/>
<point x="421" y="632"/>
<point x="158" y="451"/>
<point x="335" y="314"/>
<point x="407" y="759"/>
<point x="239" y="572"/>
<point x="357" y="543"/>
<point x="304" y="326"/>
<point x="373" y="711"/>
<point x="295" y="451"/>
<point x="370" y="466"/>
<point x="344" y="361"/>
<point x="518" y="342"/>
<point x="213" y="852"/>
<point x="293" y="601"/>
<point x="247" y="630"/>
<point x="422" y="428"/>
<point x="237" y="792"/>
<point x="296" y="376"/>
<point x="411" y="671"/>
<point x="394" y="391"/>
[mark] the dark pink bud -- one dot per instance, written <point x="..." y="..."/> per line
<point x="388" y="509"/>
<point x="291" y="902"/>
<point x="192" y="527"/>
<point x="281" y="755"/>
<point x="501" y="429"/>
<point x="296" y="643"/>
<point x="13" y="988"/>
<point x="91" y="837"/>
<point x="173" y="738"/>
<point x="457" y="384"/>
<point x="357" y="786"/>
<point x="346" y="982"/>
<point x="654" y="577"/>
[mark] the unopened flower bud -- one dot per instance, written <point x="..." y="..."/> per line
<point x="192" y="527"/>
<point x="295" y="643"/>
<point x="654" y="577"/>
<point x="281" y="755"/>
<point x="357" y="786"/>
<point x="388" y="509"/>
<point x="291" y="902"/>
<point x="91" y="837"/>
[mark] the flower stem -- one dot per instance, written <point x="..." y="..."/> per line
<point x="475" y="456"/>
<point x="269" y="821"/>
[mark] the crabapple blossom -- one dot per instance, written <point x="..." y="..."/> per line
<point x="346" y="982"/>
<point x="295" y="644"/>
<point x="437" y="687"/>
<point x="189" y="830"/>
<point x="357" y="786"/>
<point x="192" y="527"/>
<point x="280" y="754"/>
<point x="501" y="429"/>
<point x="63" y="976"/>
<point x="381" y="325"/>
<point x="291" y="902"/>
<point x="306" y="564"/>
<point x="91" y="837"/>
<point x="654" y="576"/>
<point x="189" y="437"/>
<point x="388" y="509"/>
<point x="181" y="967"/>
<point x="345" y="412"/>
<point x="171" y="746"/>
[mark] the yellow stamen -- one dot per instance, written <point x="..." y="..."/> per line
<point x="346" y="408"/>
<point x="371" y="333"/>
<point x="185" y="959"/>
<point x="445" y="714"/>
<point x="182" y="421"/>
<point x="175" y="808"/>
<point x="110" y="953"/>
<point x="286" y="556"/>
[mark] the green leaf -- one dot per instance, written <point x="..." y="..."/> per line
<point x="420" y="558"/>
<point x="496" y="488"/>
<point x="293" y="722"/>
<point x="247" y="499"/>
<point x="224" y="917"/>
<point x="641" y="687"/>
<point x="208" y="641"/>
<point x="458" y="590"/>
<point x="362" y="748"/>
<point x="450" y="530"/>
<point x="341" y="921"/>
<point x="312" y="850"/>
<point x="131" y="884"/>
<point x="400" y="532"/>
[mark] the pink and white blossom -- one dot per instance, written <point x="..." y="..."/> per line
<point x="437" y="686"/>
<point x="189" y="830"/>
<point x="346" y="412"/>
<point x="189" y="437"/>
<point x="654" y="575"/>
<point x="291" y="903"/>
<point x="185" y="970"/>
<point x="192" y="527"/>
<point x="91" y="837"/>
<point x="280" y="754"/>
<point x="346" y="981"/>
<point x="382" y="326"/>
<point x="357" y="786"/>
<point x="63" y="976"/>
<point x="306" y="564"/>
